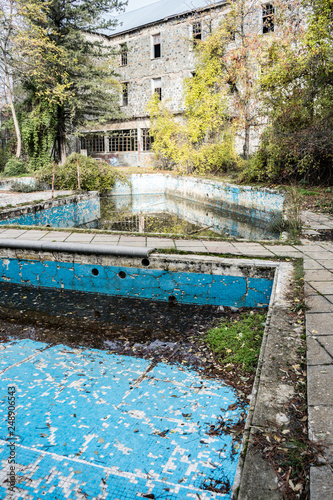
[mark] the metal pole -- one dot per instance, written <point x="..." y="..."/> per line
<point x="53" y="175"/>
<point x="78" y="175"/>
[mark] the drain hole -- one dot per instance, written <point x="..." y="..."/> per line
<point x="172" y="299"/>
<point x="95" y="272"/>
<point x="145" y="262"/>
<point x="122" y="275"/>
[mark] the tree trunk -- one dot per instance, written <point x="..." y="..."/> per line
<point x="246" y="147"/>
<point x="11" y="103"/>
<point x="61" y="136"/>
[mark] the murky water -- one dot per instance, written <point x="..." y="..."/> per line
<point x="165" y="214"/>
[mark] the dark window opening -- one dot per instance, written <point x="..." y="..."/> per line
<point x="157" y="87"/>
<point x="156" y="46"/>
<point x="197" y="32"/>
<point x="123" y="54"/>
<point x="158" y="91"/>
<point x="125" y="94"/>
<point x="267" y="18"/>
<point x="147" y="139"/>
<point x="93" y="143"/>
<point x="123" y="141"/>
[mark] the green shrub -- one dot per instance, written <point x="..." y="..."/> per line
<point x="238" y="341"/>
<point x="2" y="159"/>
<point x="20" y="187"/>
<point x="94" y="175"/>
<point x="15" y="166"/>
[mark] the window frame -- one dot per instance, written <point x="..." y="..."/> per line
<point x="93" y="143"/>
<point x="155" y="88"/>
<point x="155" y="45"/>
<point x="124" y="94"/>
<point x="123" y="54"/>
<point x="267" y="18"/>
<point x="123" y="140"/>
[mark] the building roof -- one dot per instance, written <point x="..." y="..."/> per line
<point x="159" y="11"/>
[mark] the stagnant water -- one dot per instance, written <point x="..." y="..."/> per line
<point x="165" y="214"/>
<point x="117" y="397"/>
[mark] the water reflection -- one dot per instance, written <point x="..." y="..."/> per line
<point x="159" y="213"/>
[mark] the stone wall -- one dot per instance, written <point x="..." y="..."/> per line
<point x="72" y="211"/>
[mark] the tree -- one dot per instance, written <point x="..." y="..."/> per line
<point x="297" y="88"/>
<point x="223" y="97"/>
<point x="26" y="51"/>
<point x="88" y="75"/>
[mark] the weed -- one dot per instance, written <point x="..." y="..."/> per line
<point x="238" y="342"/>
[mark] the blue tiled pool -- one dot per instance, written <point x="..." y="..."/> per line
<point x="91" y="424"/>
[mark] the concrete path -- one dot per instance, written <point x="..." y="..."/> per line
<point x="318" y="265"/>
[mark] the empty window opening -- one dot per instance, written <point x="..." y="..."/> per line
<point x="147" y="139"/>
<point x="156" y="46"/>
<point x="197" y="32"/>
<point x="125" y="94"/>
<point x="93" y="143"/>
<point x="123" y="54"/>
<point x="267" y="18"/>
<point x="157" y="87"/>
<point x="123" y="140"/>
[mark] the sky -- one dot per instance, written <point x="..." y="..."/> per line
<point x="136" y="4"/>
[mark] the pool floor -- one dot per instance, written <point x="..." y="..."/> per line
<point x="91" y="424"/>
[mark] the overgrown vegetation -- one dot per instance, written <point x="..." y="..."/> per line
<point x="237" y="342"/>
<point x="94" y="175"/>
<point x="15" y="166"/>
<point x="297" y="96"/>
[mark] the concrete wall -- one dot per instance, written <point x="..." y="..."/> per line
<point x="245" y="200"/>
<point x="72" y="211"/>
<point x="204" y="281"/>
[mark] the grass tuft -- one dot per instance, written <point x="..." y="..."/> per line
<point x="237" y="342"/>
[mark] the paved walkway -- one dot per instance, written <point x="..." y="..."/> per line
<point x="318" y="266"/>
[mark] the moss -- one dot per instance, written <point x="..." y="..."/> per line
<point x="238" y="342"/>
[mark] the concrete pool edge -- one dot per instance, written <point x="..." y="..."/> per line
<point x="265" y="477"/>
<point x="255" y="477"/>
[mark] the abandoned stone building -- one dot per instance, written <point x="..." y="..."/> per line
<point x="155" y="45"/>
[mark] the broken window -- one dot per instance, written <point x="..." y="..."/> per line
<point x="267" y="18"/>
<point x="123" y="140"/>
<point x="197" y="32"/>
<point x="123" y="54"/>
<point x="156" y="46"/>
<point x="93" y="143"/>
<point x="157" y="87"/>
<point x="125" y="94"/>
<point x="147" y="139"/>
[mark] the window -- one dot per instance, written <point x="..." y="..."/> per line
<point x="125" y="94"/>
<point x="123" y="54"/>
<point x="156" y="46"/>
<point x="197" y="32"/>
<point x="157" y="87"/>
<point x="147" y="139"/>
<point x="123" y="140"/>
<point x="93" y="143"/>
<point x="267" y="18"/>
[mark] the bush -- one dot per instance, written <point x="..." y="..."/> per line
<point x="20" y="187"/>
<point x="94" y="175"/>
<point x="15" y="166"/>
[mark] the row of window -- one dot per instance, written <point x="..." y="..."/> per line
<point x="118" y="141"/>
<point x="156" y="51"/>
<point x="156" y="87"/>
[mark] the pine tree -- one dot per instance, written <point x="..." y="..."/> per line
<point x="84" y="70"/>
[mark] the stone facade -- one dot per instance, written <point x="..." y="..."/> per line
<point x="142" y="73"/>
<point x="155" y="54"/>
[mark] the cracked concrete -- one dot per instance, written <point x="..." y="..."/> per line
<point x="318" y="261"/>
